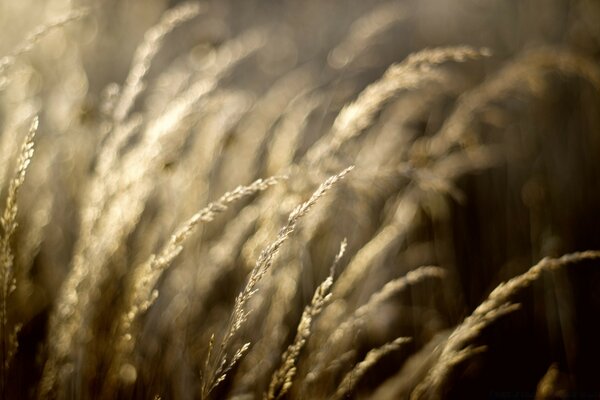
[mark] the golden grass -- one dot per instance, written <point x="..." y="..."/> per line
<point x="472" y="134"/>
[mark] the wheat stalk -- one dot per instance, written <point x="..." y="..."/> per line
<point x="525" y="73"/>
<point x="337" y="339"/>
<point x="359" y="114"/>
<point x="283" y="377"/>
<point x="373" y="356"/>
<point x="34" y="37"/>
<point x="363" y="32"/>
<point x="8" y="221"/>
<point x="458" y="347"/>
<point x="145" y="276"/>
<point x="144" y="54"/>
<point x="263" y="264"/>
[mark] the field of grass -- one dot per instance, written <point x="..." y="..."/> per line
<point x="258" y="199"/>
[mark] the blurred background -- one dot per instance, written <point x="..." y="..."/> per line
<point x="481" y="166"/>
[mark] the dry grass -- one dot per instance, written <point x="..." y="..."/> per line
<point x="201" y="150"/>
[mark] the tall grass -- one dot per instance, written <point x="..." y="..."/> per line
<point x="299" y="200"/>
